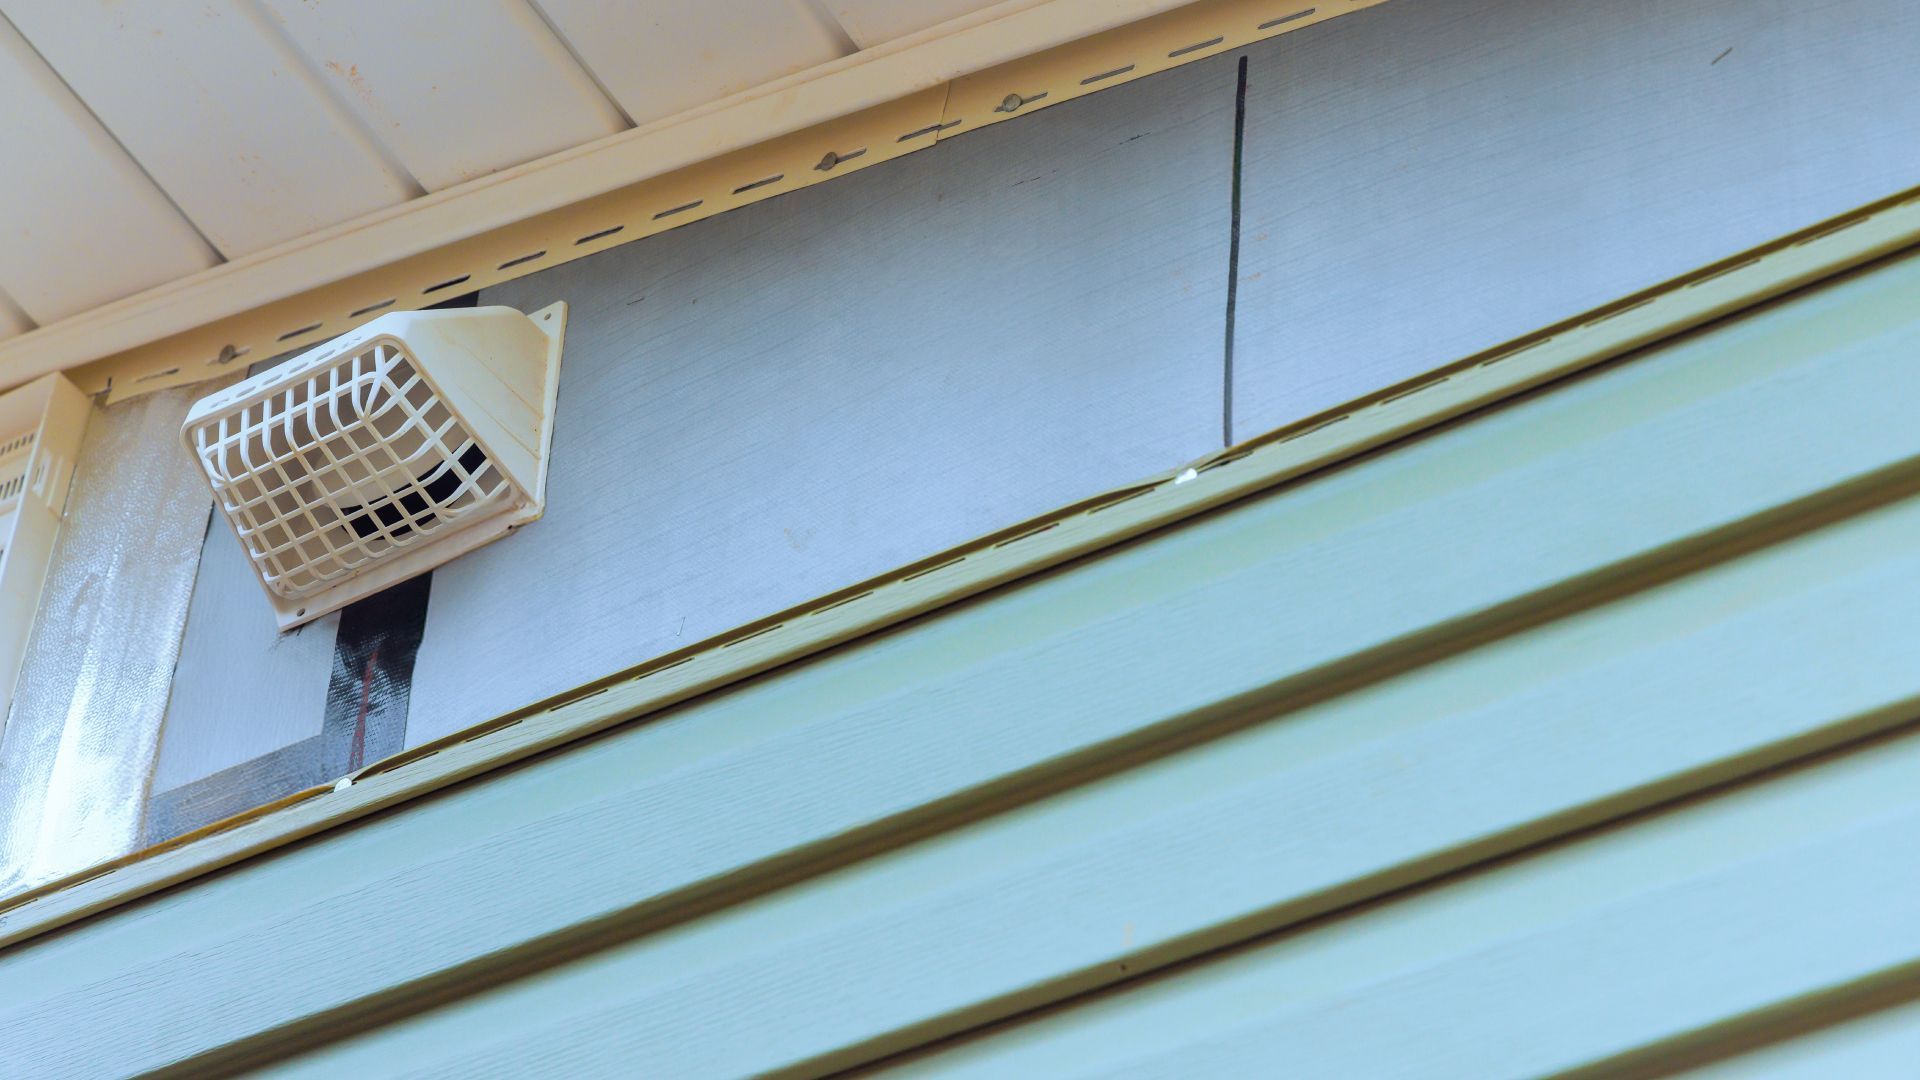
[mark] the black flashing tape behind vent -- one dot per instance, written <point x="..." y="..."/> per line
<point x="372" y="680"/>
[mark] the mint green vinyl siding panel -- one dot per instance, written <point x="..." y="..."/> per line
<point x="1551" y="614"/>
<point x="1264" y="828"/>
<point x="1884" y="1043"/>
<point x="1797" y="886"/>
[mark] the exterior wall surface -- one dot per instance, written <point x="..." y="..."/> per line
<point x="767" y="405"/>
<point x="1578" y="733"/>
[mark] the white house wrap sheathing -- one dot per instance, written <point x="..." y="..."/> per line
<point x="80" y="742"/>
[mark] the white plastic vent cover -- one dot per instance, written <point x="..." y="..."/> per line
<point x="384" y="453"/>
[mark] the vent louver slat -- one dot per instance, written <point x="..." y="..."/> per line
<point x="43" y="422"/>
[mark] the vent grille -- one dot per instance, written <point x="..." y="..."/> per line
<point x="384" y="453"/>
<point x="16" y="457"/>
<point x="343" y="467"/>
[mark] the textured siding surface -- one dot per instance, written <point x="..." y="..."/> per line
<point x="771" y="404"/>
<point x="1427" y="179"/>
<point x="1577" y="733"/>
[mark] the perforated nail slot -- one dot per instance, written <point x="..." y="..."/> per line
<point x="1285" y="19"/>
<point x="928" y="130"/>
<point x="1195" y="47"/>
<point x="1105" y="75"/>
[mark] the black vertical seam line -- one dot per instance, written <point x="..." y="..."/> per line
<point x="1233" y="256"/>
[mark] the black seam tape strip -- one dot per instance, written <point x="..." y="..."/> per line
<point x="372" y="679"/>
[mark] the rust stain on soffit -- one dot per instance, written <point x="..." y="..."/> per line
<point x="997" y="64"/>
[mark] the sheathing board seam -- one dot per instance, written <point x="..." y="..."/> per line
<point x="836" y="148"/>
<point x="1086" y="527"/>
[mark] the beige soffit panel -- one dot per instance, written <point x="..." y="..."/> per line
<point x="83" y="225"/>
<point x="1268" y="461"/>
<point x="222" y="114"/>
<point x="873" y="22"/>
<point x="458" y="88"/>
<point x="1040" y="52"/>
<point x="668" y="56"/>
<point x="12" y="319"/>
